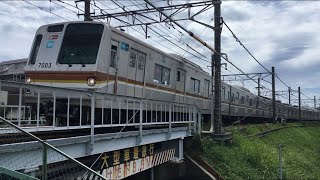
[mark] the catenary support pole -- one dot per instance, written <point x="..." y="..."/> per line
<point x="212" y="94"/>
<point x="273" y="96"/>
<point x="259" y="87"/>
<point x="87" y="16"/>
<point x="289" y="91"/>
<point x="217" y="69"/>
<point x="299" y="103"/>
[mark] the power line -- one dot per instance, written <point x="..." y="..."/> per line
<point x="45" y="10"/>
<point x="238" y="40"/>
<point x="186" y="51"/>
<point x="62" y="5"/>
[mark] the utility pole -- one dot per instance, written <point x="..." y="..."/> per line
<point x="217" y="68"/>
<point x="87" y="16"/>
<point x="315" y="102"/>
<point x="299" y="103"/>
<point x="289" y="90"/>
<point x="212" y="93"/>
<point x="259" y="87"/>
<point x="273" y="96"/>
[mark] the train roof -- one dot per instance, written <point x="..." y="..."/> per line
<point x="242" y="88"/>
<point x="173" y="56"/>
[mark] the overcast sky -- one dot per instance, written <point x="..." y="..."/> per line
<point x="283" y="34"/>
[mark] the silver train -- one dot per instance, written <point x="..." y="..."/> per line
<point x="95" y="56"/>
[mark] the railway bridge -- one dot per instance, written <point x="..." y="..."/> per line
<point x="59" y="133"/>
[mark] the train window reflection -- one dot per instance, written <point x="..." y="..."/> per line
<point x="142" y="59"/>
<point x="242" y="99"/>
<point x="113" y="58"/>
<point x="161" y="75"/>
<point x="133" y="58"/>
<point x="206" y="88"/>
<point x="195" y="85"/>
<point x="81" y="44"/>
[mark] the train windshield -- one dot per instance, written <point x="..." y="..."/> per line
<point x="81" y="44"/>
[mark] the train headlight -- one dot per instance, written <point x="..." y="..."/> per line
<point x="91" y="81"/>
<point x="28" y="80"/>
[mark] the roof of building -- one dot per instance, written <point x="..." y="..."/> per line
<point x="24" y="60"/>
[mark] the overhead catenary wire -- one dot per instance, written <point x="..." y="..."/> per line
<point x="238" y="40"/>
<point x="45" y="10"/>
<point x="167" y="39"/>
<point x="185" y="50"/>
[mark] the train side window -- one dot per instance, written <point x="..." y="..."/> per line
<point x="161" y="75"/>
<point x="195" y="85"/>
<point x="133" y="58"/>
<point x="247" y="100"/>
<point x="242" y="99"/>
<point x="250" y="102"/>
<point x="228" y="95"/>
<point x="238" y="97"/>
<point x="35" y="49"/>
<point x="206" y="88"/>
<point x="232" y="97"/>
<point x="114" y="55"/>
<point x="178" y="76"/>
<point x="223" y="93"/>
<point x="141" y="61"/>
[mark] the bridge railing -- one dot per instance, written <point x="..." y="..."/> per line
<point x="39" y="159"/>
<point x="43" y="108"/>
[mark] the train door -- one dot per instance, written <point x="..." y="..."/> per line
<point x="206" y="91"/>
<point x="140" y="69"/>
<point x="131" y="77"/>
<point x="113" y="66"/>
<point x="181" y="85"/>
<point x="135" y="79"/>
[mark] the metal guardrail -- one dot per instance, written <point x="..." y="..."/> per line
<point x="78" y="109"/>
<point x="47" y="162"/>
<point x="105" y="110"/>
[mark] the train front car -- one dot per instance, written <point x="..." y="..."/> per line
<point x="67" y="55"/>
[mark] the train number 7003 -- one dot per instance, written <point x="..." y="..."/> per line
<point x="44" y="65"/>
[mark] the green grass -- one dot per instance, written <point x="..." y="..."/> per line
<point x="257" y="158"/>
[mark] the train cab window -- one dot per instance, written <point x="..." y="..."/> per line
<point x="113" y="55"/>
<point x="133" y="58"/>
<point x="55" y="28"/>
<point x="195" y="85"/>
<point x="141" y="61"/>
<point x="161" y="75"/>
<point x="35" y="49"/>
<point x="81" y="43"/>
